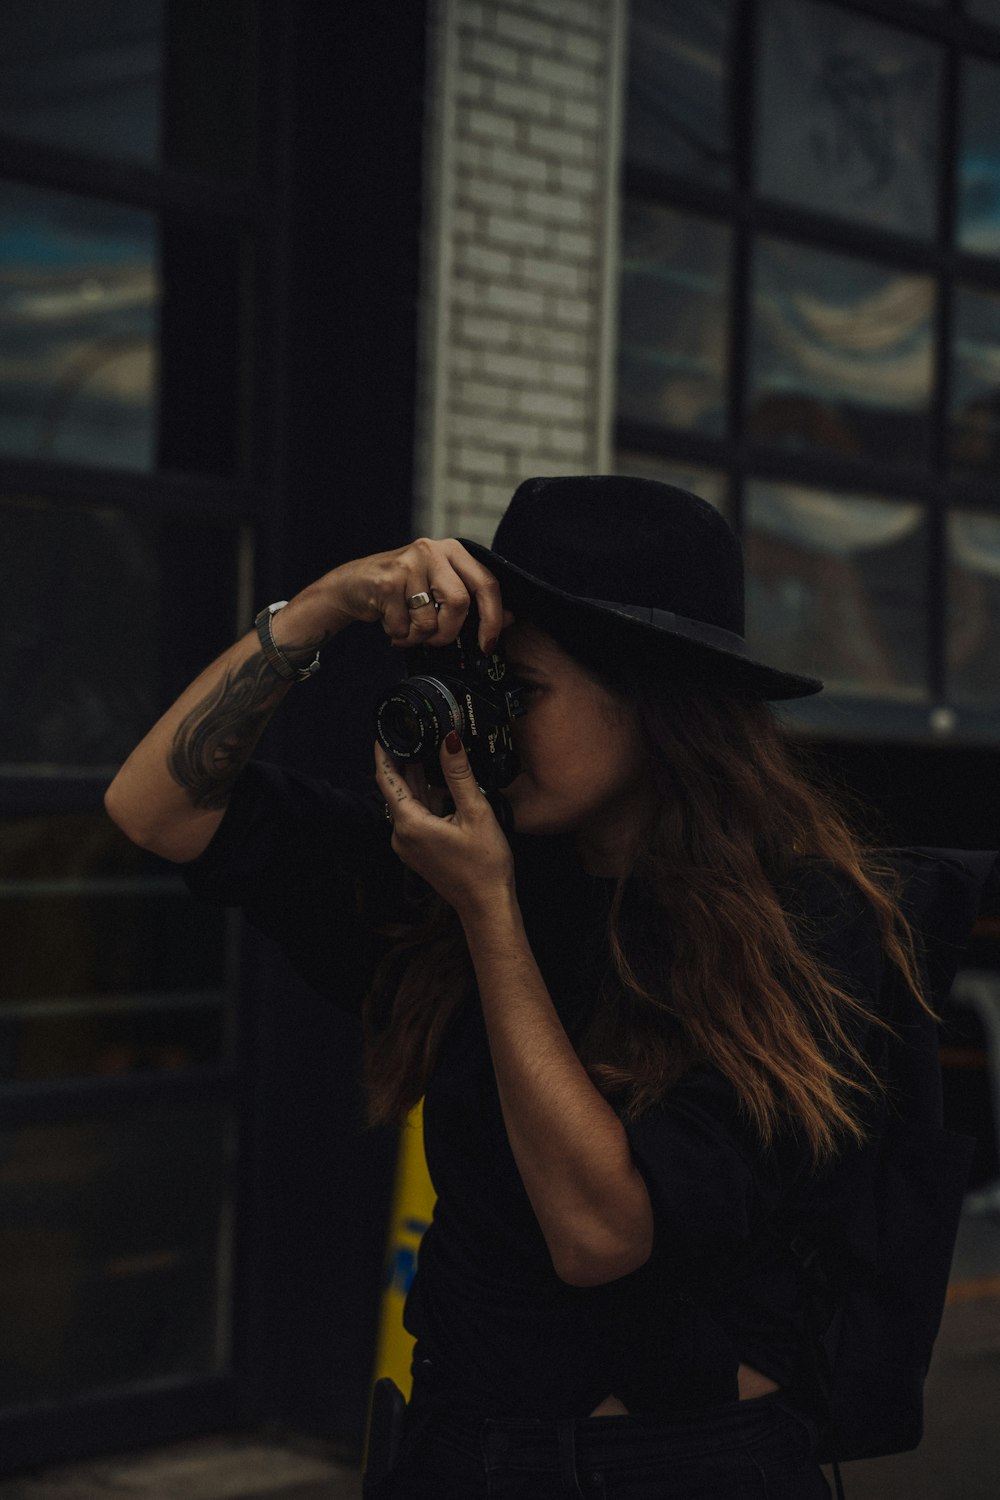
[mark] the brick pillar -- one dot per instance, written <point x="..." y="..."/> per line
<point x="520" y="229"/>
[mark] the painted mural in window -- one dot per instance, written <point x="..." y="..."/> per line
<point x="848" y="116"/>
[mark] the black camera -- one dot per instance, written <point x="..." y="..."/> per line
<point x="455" y="687"/>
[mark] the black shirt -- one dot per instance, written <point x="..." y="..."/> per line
<point x="312" y="868"/>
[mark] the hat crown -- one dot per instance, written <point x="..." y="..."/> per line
<point x="627" y="540"/>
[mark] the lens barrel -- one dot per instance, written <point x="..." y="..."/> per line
<point x="416" y="716"/>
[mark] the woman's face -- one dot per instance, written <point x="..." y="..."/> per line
<point x="584" y="768"/>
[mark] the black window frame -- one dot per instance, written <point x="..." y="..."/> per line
<point x="251" y="507"/>
<point x="741" y="458"/>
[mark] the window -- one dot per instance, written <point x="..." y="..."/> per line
<point x="809" y="314"/>
<point x="127" y="499"/>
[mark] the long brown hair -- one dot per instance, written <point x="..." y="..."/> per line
<point x="736" y="985"/>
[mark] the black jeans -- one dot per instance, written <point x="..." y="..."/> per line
<point x="743" y="1450"/>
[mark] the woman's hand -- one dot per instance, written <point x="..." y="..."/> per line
<point x="464" y="856"/>
<point x="377" y="588"/>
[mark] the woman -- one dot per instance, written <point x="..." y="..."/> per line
<point x="643" y="1024"/>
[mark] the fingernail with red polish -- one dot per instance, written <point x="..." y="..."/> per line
<point x="491" y="646"/>
<point x="452" y="742"/>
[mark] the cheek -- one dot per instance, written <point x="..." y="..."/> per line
<point x="618" y="761"/>
<point x="533" y="752"/>
<point x="529" y="729"/>
<point x="542" y="749"/>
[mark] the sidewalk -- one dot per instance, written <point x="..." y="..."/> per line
<point x="959" y="1458"/>
<point x="227" y="1467"/>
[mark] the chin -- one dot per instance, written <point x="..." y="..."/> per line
<point x="520" y="810"/>
<point x="530" y="815"/>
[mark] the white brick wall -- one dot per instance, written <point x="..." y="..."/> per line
<point x="519" y="186"/>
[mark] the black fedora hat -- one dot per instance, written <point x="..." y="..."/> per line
<point x="625" y="570"/>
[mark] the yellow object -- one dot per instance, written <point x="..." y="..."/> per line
<point x="412" y="1206"/>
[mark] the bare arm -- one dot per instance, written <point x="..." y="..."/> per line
<point x="171" y="793"/>
<point x="571" y="1149"/>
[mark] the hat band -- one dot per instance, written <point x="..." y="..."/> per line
<point x="665" y="619"/>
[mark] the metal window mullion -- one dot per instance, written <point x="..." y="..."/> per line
<point x="742" y="126"/>
<point x="679" y="443"/>
<point x="842" y="236"/>
<point x="270" y="346"/>
<point x="814" y="230"/>
<point x="830" y="470"/>
<point x="211" y="499"/>
<point x="944" y="23"/>
<point x="162" y="190"/>
<point x="69" y="1098"/>
<point x="67" y="789"/>
<point x="795" y="466"/>
<point x="137" y="1003"/>
<point x="937" y="535"/>
<point x="935" y="22"/>
<point x="739" y="355"/>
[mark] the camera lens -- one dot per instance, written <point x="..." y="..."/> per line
<point x="416" y="716"/>
<point x="403" y="727"/>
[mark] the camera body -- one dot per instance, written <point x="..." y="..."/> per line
<point x="455" y="687"/>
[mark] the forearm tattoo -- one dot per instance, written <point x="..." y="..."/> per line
<point x="216" y="739"/>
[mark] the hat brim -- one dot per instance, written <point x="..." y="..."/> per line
<point x="601" y="634"/>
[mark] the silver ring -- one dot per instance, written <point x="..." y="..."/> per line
<point x="417" y="601"/>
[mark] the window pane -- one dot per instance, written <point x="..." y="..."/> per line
<point x="711" y="484"/>
<point x="836" y="588"/>
<point x="109" y="966"/>
<point x="79" y="304"/>
<point x="134" y="1288"/>
<point x="974" y="429"/>
<point x="677" y="114"/>
<point x="978" y="227"/>
<point x="973" y="608"/>
<point x="673" y="319"/>
<point x="841" y="354"/>
<point x="132" y="79"/>
<point x="83" y="76"/>
<point x="983" y="10"/>
<point x="848" y="114"/>
<point x="94" y="648"/>
<point x="123" y="342"/>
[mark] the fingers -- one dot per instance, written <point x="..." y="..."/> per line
<point x="453" y="578"/>
<point x="416" y="779"/>
<point x="404" y="788"/>
<point x="480" y="582"/>
<point x="407" y="793"/>
<point x="441" y="625"/>
<point x="462" y="785"/>
<point x="431" y="797"/>
<point x="391" y="783"/>
<point x="396" y="620"/>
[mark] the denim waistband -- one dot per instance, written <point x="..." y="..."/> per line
<point x="709" y="1430"/>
